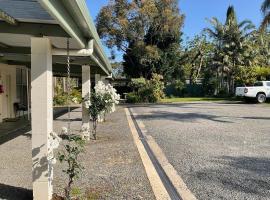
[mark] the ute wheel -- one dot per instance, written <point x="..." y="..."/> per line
<point x="261" y="98"/>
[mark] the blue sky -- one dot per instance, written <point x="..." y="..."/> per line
<point x="196" y="12"/>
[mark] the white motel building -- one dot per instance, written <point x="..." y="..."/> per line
<point x="36" y="38"/>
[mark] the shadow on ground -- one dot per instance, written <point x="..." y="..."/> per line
<point x="15" y="193"/>
<point x="26" y="130"/>
<point x="248" y="175"/>
<point x="71" y="120"/>
<point x="185" y="117"/>
<point x="22" y="132"/>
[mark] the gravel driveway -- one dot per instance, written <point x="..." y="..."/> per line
<point x="221" y="150"/>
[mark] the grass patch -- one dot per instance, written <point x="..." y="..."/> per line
<point x="192" y="99"/>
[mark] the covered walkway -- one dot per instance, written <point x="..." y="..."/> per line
<point x="51" y="38"/>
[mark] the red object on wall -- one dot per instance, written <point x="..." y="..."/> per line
<point x="1" y="89"/>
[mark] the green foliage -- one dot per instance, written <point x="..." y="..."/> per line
<point x="76" y="96"/>
<point x="60" y="99"/>
<point x="197" y="57"/>
<point x="175" y="89"/>
<point x="210" y="82"/>
<point x="156" y="85"/>
<point x="76" y="193"/>
<point x="137" y="83"/>
<point x="263" y="73"/>
<point x="146" y="91"/>
<point x="149" y="33"/>
<point x="146" y="31"/>
<point x="133" y="97"/>
<point x="70" y="157"/>
<point x="61" y="95"/>
<point x="97" y="106"/>
<point x="233" y="53"/>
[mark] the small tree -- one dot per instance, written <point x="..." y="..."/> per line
<point x="69" y="155"/>
<point x="109" y="95"/>
<point x="97" y="106"/>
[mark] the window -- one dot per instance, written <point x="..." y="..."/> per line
<point x="268" y="84"/>
<point x="21" y="85"/>
<point x="258" y="84"/>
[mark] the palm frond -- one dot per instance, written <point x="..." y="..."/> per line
<point x="210" y="32"/>
<point x="244" y="23"/>
<point x="266" y="22"/>
<point x="265" y="6"/>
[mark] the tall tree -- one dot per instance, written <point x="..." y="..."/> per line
<point x="197" y="55"/>
<point x="266" y="11"/>
<point x="145" y="31"/>
<point x="232" y="49"/>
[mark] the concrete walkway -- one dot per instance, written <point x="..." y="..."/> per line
<point x="113" y="168"/>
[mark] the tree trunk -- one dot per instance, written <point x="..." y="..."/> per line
<point x="199" y="69"/>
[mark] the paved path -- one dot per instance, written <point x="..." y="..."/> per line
<point x="221" y="150"/>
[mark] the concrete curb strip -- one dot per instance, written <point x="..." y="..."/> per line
<point x="159" y="190"/>
<point x="172" y="174"/>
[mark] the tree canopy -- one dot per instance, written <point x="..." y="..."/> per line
<point x="145" y="31"/>
<point x="222" y="56"/>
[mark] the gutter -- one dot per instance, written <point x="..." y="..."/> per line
<point x="57" y="10"/>
<point x="93" y="33"/>
<point x="61" y="14"/>
<point x="87" y="52"/>
<point x="82" y="52"/>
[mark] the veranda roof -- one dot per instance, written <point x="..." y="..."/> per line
<point x="57" y="20"/>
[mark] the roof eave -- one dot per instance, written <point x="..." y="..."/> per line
<point x="62" y="15"/>
<point x="93" y="33"/>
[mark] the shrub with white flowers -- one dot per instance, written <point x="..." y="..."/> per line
<point x="101" y="102"/>
<point x="109" y="94"/>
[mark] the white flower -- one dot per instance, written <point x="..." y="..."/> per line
<point x="87" y="103"/>
<point x="103" y="89"/>
<point x="64" y="130"/>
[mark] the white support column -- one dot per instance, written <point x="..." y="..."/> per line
<point x="27" y="93"/>
<point x="86" y="91"/>
<point x="42" y="116"/>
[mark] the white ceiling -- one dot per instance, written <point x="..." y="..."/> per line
<point x="20" y="40"/>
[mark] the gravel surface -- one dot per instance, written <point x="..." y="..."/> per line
<point x="221" y="150"/>
<point x="113" y="168"/>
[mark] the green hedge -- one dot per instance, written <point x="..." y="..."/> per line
<point x="146" y="91"/>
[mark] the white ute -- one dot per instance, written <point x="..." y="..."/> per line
<point x="260" y="90"/>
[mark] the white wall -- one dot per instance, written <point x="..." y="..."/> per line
<point x="5" y="110"/>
